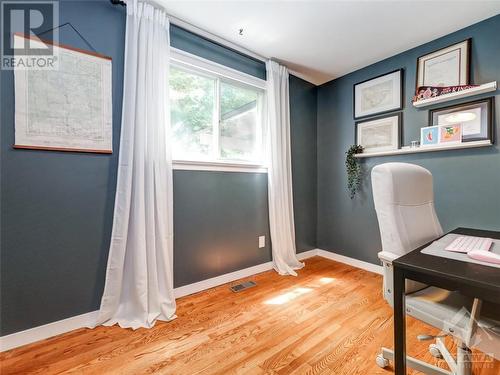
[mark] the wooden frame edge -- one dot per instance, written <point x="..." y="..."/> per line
<point x="46" y="148"/>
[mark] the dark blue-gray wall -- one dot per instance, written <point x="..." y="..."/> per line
<point x="466" y="182"/>
<point x="57" y="207"/>
<point x="303" y="102"/>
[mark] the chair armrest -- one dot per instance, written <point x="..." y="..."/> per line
<point x="388" y="284"/>
<point x="387" y="257"/>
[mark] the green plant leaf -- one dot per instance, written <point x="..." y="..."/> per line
<point x="353" y="169"/>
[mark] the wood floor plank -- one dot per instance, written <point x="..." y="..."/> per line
<point x="331" y="319"/>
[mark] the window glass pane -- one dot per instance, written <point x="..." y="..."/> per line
<point x="240" y="122"/>
<point x="192" y="99"/>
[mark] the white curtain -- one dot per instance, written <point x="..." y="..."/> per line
<point x="280" y="172"/>
<point x="139" y="282"/>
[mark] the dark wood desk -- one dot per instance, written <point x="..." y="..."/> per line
<point x="474" y="280"/>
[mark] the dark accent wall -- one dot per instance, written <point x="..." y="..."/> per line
<point x="303" y="101"/>
<point x="217" y="218"/>
<point x="466" y="182"/>
<point x="57" y="207"/>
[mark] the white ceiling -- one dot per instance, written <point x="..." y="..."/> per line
<point x="323" y="40"/>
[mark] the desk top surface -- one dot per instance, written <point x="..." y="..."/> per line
<point x="476" y="275"/>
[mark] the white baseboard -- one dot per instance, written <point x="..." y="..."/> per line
<point x="232" y="276"/>
<point x="31" y="335"/>
<point x="307" y="254"/>
<point x="47" y="330"/>
<point x="351" y="261"/>
<point x="222" y="279"/>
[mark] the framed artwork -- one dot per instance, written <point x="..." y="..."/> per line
<point x="68" y="108"/>
<point x="475" y="118"/>
<point x="440" y="135"/>
<point x="450" y="134"/>
<point x="445" y="67"/>
<point x="429" y="136"/>
<point x="378" y="95"/>
<point x="379" y="134"/>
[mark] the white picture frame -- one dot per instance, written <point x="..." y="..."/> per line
<point x="429" y="136"/>
<point x="379" y="134"/>
<point x="378" y="95"/>
<point x="445" y="67"/>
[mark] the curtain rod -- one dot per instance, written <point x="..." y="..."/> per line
<point x="212" y="37"/>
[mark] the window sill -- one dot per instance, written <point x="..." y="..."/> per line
<point x="218" y="166"/>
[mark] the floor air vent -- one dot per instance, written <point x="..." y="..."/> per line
<point x="242" y="286"/>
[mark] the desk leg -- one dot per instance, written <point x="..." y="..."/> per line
<point x="399" y="322"/>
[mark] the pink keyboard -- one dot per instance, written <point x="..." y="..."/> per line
<point x="464" y="244"/>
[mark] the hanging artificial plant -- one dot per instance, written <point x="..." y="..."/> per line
<point x="353" y="168"/>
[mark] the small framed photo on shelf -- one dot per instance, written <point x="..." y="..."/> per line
<point x="449" y="134"/>
<point x="378" y="95"/>
<point x="440" y="135"/>
<point x="475" y="118"/>
<point x="429" y="136"/>
<point x="379" y="134"/>
<point x="445" y="67"/>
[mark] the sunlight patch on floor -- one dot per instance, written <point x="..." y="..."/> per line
<point x="326" y="280"/>
<point x="287" y="297"/>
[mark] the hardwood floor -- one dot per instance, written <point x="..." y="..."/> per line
<point x="331" y="319"/>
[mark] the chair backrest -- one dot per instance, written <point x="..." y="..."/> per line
<point x="404" y="202"/>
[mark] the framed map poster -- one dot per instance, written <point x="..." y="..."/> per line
<point x="379" y="134"/>
<point x="66" y="108"/>
<point x="378" y="95"/>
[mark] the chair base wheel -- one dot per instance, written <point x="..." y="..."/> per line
<point x="434" y="350"/>
<point x="381" y="361"/>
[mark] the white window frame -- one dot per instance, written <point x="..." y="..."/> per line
<point x="199" y="65"/>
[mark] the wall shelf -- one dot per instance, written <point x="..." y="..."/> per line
<point x="408" y="150"/>
<point x="487" y="87"/>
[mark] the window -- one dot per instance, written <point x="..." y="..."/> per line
<point x="192" y="114"/>
<point x="215" y="118"/>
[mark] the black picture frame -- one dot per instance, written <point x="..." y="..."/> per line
<point x="401" y="96"/>
<point x="486" y="118"/>
<point x="468" y="41"/>
<point x="380" y="117"/>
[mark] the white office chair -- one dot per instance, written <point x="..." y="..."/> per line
<point x="404" y="202"/>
